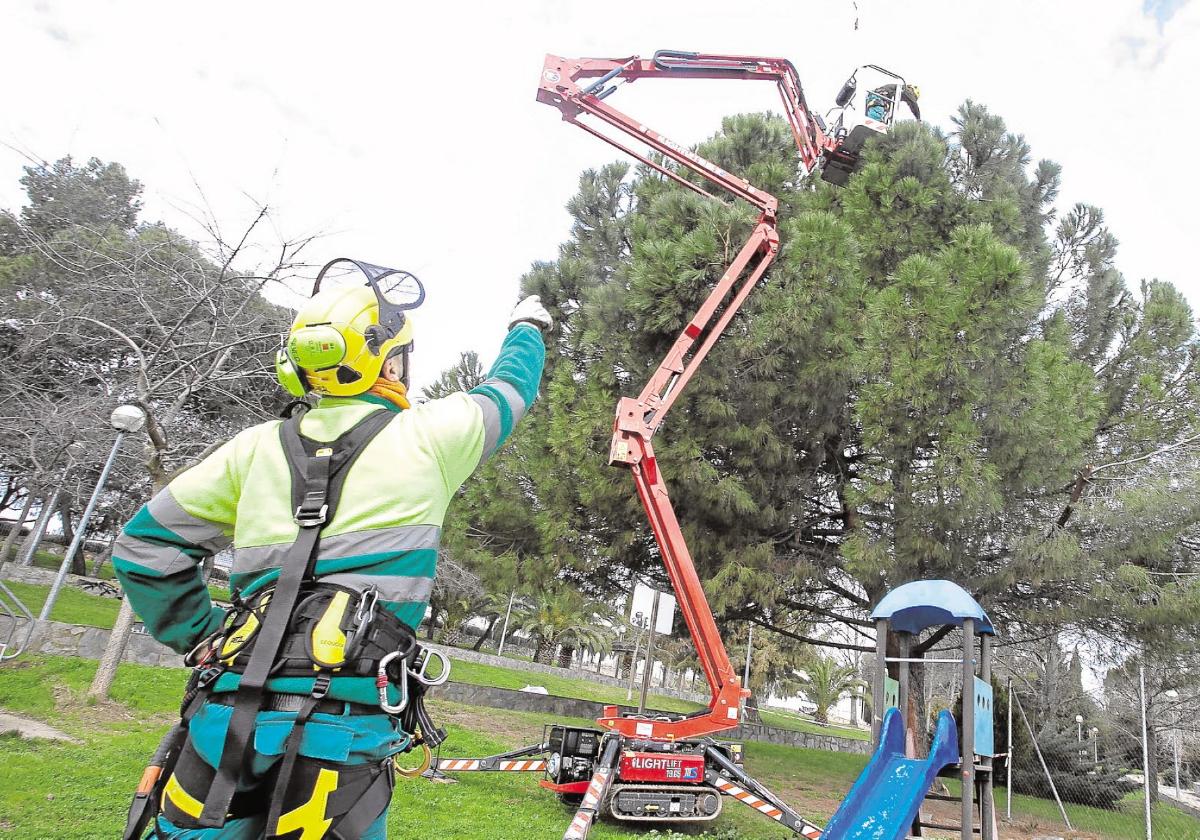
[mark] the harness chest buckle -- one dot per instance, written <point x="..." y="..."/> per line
<point x="309" y="518"/>
<point x="208" y="676"/>
<point x="321" y="686"/>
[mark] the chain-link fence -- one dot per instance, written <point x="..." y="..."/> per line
<point x="1080" y="761"/>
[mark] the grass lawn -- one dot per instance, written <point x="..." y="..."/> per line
<point x="787" y="720"/>
<point x="578" y="687"/>
<point x="77" y="607"/>
<point x="80" y="791"/>
<point x="73" y="606"/>
<point x="1129" y="823"/>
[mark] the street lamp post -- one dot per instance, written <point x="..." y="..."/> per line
<point x="637" y="646"/>
<point x="1079" y="738"/>
<point x="648" y="671"/>
<point x="1095" y="745"/>
<point x="125" y="419"/>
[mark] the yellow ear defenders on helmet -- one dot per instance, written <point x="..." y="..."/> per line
<point x="340" y="338"/>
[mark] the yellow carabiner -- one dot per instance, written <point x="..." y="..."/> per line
<point x="414" y="772"/>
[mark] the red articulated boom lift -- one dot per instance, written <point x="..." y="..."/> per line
<point x="667" y="768"/>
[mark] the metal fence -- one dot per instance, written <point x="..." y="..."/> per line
<point x="1096" y="763"/>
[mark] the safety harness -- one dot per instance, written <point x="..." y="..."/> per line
<point x="298" y="627"/>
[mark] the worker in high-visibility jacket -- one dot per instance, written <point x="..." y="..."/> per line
<point x="382" y="538"/>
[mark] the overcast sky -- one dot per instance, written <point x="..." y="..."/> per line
<point x="408" y="132"/>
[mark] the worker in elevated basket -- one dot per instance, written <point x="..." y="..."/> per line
<point x="304" y="691"/>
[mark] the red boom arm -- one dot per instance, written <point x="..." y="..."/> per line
<point x="638" y="419"/>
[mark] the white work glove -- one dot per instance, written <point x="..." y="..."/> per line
<point x="531" y="311"/>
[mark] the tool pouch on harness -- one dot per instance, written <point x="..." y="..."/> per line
<point x="332" y="628"/>
<point x="298" y="627"/>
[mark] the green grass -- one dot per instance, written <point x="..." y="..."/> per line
<point x="580" y="688"/>
<point x="44" y="559"/>
<point x="77" y="607"/>
<point x="81" y="791"/>
<point x="73" y="606"/>
<point x="786" y="720"/>
<point x="1128" y="823"/>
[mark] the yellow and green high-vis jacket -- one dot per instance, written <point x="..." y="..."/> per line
<point x="386" y="529"/>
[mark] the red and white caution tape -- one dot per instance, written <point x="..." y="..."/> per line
<point x="526" y="766"/>
<point x="811" y="832"/>
<point x="458" y="764"/>
<point x="578" y="830"/>
<point x="463" y="765"/>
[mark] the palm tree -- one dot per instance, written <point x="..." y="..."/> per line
<point x="492" y="606"/>
<point x="824" y="681"/>
<point x="565" y="618"/>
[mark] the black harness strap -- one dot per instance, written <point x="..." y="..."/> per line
<point x="365" y="806"/>
<point x="323" y="472"/>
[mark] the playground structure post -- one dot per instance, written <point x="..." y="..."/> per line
<point x="1009" y="761"/>
<point x="877" y="691"/>
<point x="987" y="805"/>
<point x="905" y="679"/>
<point x="968" y="729"/>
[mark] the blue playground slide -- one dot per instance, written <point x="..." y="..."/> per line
<point x="884" y="801"/>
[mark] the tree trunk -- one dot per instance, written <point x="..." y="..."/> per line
<point x="106" y="671"/>
<point x="541" y="653"/>
<point x="624" y="663"/>
<point x="917" y="714"/>
<point x="30" y="546"/>
<point x="430" y="623"/>
<point x="64" y="511"/>
<point x="565" y="654"/>
<point x="486" y="633"/>
<point x="18" y="525"/>
<point x="103" y="557"/>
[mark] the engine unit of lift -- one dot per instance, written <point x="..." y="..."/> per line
<point x="571" y="760"/>
<point x="654" y="780"/>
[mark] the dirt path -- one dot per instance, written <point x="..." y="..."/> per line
<point x="27" y="728"/>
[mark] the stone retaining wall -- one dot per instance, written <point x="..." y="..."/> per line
<point x="527" y="701"/>
<point x="59" y="639"/>
<point x="35" y="574"/>
<point x="553" y="670"/>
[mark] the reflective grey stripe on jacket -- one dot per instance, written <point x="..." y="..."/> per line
<point x="492" y="427"/>
<point x="167" y="513"/>
<point x="168" y="558"/>
<point x="389" y="587"/>
<point x="164" y="559"/>
<point x="260" y="558"/>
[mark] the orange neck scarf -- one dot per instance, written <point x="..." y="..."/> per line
<point x="393" y="392"/>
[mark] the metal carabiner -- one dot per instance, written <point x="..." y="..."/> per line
<point x="382" y="682"/>
<point x="365" y="612"/>
<point x="414" y="772"/>
<point x="420" y="672"/>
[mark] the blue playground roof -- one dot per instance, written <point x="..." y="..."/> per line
<point x="931" y="603"/>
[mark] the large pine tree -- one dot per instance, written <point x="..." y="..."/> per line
<point x="929" y="383"/>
